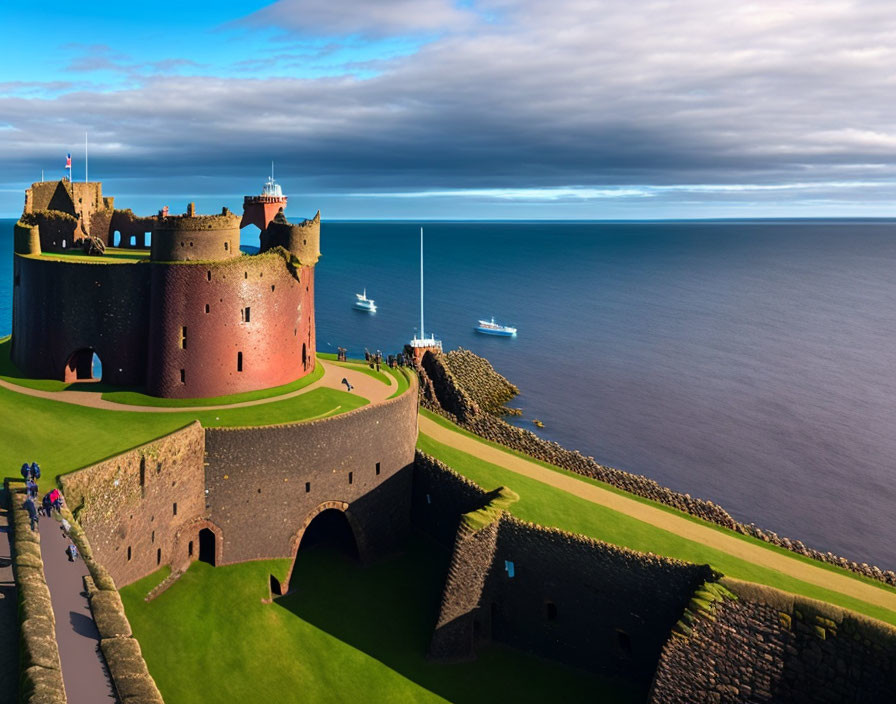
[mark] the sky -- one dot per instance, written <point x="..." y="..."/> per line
<point x="441" y="109"/>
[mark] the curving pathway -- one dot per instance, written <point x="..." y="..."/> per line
<point x="671" y="522"/>
<point x="363" y="385"/>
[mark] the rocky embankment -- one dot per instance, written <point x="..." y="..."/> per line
<point x="465" y="388"/>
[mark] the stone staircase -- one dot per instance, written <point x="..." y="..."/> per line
<point x="163" y="585"/>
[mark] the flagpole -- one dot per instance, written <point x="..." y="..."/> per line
<point x="85" y="157"/>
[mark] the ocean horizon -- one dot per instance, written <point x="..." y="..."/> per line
<point x="748" y="362"/>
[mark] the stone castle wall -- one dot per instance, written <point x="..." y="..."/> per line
<point x="179" y="238"/>
<point x="771" y="646"/>
<point x="249" y="324"/>
<point x="263" y="483"/>
<point x="60" y="307"/>
<point x="133" y="506"/>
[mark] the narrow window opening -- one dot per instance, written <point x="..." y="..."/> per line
<point x="133" y="240"/>
<point x="207" y="307"/>
<point x="153" y="537"/>
<point x="159" y="556"/>
<point x="509" y="568"/>
<point x="239" y="361"/>
<point x="377" y="469"/>
<point x="551" y="610"/>
<point x="129" y="553"/>
<point x="190" y="549"/>
<point x="350" y="477"/>
<point x="245" y="274"/>
<point x="307" y="487"/>
<point x="143" y="476"/>
<point x="248" y="314"/>
<point x="191" y="243"/>
<point x="175" y="508"/>
<point x="624" y="641"/>
<point x="63" y="244"/>
<point x="183" y="338"/>
<point x="226" y="246"/>
<point x="183" y="376"/>
<point x="272" y="287"/>
<point x="209" y="274"/>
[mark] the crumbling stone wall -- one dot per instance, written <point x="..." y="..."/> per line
<point x="263" y="482"/>
<point x="133" y="505"/>
<point x="441" y="496"/>
<point x="771" y="646"/>
<point x="454" y="401"/>
<point x="178" y="238"/>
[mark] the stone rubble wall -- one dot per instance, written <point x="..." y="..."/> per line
<point x="485" y="386"/>
<point x="456" y="403"/>
<point x="771" y="646"/>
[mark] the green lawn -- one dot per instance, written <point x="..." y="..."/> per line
<point x="135" y="398"/>
<point x="554" y="507"/>
<point x="347" y="634"/>
<point x="63" y="437"/>
<point x="401" y="376"/>
<point x="113" y="255"/>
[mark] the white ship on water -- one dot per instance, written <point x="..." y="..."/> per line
<point x="362" y="302"/>
<point x="490" y="327"/>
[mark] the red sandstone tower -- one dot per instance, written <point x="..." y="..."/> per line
<point x="260" y="210"/>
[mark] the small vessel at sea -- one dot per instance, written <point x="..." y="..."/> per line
<point x="490" y="327"/>
<point x="364" y="303"/>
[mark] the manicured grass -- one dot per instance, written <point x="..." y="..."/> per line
<point x="401" y="376"/>
<point x="135" y="398"/>
<point x="347" y="634"/>
<point x="112" y="255"/>
<point x="63" y="437"/>
<point x="554" y="507"/>
<point x="444" y="422"/>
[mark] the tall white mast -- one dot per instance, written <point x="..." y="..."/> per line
<point x="85" y="157"/>
<point x="422" y="334"/>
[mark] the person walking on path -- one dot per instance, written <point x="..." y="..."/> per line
<point x="26" y="471"/>
<point x="35" y="471"/>
<point x="31" y="488"/>
<point x="348" y="386"/>
<point x="47" y="506"/>
<point x="32" y="512"/>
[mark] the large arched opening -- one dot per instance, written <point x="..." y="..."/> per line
<point x="207" y="546"/>
<point x="83" y="365"/>
<point x="328" y="528"/>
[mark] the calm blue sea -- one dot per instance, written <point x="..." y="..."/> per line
<point x="751" y="363"/>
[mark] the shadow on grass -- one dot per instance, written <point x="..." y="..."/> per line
<point x="388" y="611"/>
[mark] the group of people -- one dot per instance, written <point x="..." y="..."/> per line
<point x="52" y="499"/>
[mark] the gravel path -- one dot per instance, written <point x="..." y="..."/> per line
<point x="663" y="519"/>
<point x="364" y="385"/>
<point x="83" y="668"/>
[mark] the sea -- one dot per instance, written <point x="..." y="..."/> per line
<point x="751" y="362"/>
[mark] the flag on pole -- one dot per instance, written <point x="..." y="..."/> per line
<point x="68" y="161"/>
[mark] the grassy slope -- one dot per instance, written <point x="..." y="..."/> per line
<point x="62" y="437"/>
<point x="549" y="506"/>
<point x="347" y="634"/>
<point x="113" y="255"/>
<point x="135" y="398"/>
<point x="444" y="422"/>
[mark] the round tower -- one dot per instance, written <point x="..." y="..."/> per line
<point x="260" y="210"/>
<point x="192" y="237"/>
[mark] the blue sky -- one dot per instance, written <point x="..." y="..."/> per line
<point x="478" y="109"/>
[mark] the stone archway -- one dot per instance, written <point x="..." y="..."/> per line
<point x="296" y="540"/>
<point x="186" y="544"/>
<point x="81" y="365"/>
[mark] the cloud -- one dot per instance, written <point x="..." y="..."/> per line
<point x="381" y="18"/>
<point x="572" y="94"/>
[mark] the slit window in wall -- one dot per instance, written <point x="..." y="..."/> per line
<point x="183" y="376"/>
<point x="624" y="641"/>
<point x="246" y="314"/>
<point x="209" y="275"/>
<point x="239" y="361"/>
<point x="351" y="476"/>
<point x="153" y="537"/>
<point x="307" y="487"/>
<point x="63" y="244"/>
<point x="245" y="274"/>
<point x="207" y="307"/>
<point x="159" y="556"/>
<point x="133" y="240"/>
<point x="550" y="609"/>
<point x="183" y="337"/>
<point x="129" y="553"/>
<point x="174" y="509"/>
<point x="190" y="549"/>
<point x="227" y="246"/>
<point x="147" y="239"/>
<point x="143" y="476"/>
<point x="509" y="568"/>
<point x="377" y="469"/>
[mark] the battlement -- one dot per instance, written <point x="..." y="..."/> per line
<point x="301" y="240"/>
<point x="192" y="237"/>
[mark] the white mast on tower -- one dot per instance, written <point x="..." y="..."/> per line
<point x="422" y="334"/>
<point x="85" y="157"/>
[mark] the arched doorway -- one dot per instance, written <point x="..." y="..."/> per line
<point x="329" y="528"/>
<point x="83" y="365"/>
<point x="207" y="546"/>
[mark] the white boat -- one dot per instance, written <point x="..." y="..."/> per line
<point x="490" y="327"/>
<point x="364" y="303"/>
